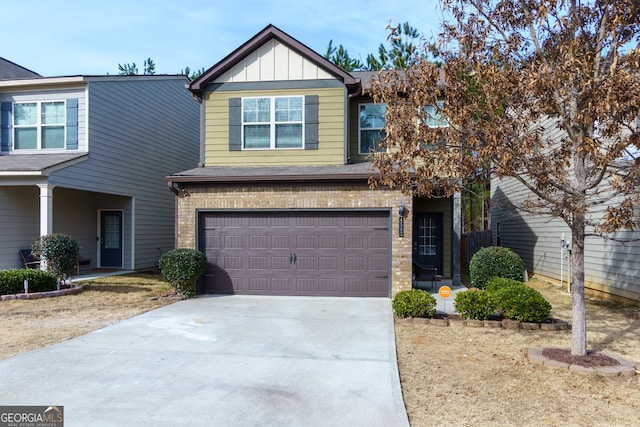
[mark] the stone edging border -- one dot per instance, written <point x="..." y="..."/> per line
<point x="556" y="325"/>
<point x="38" y="295"/>
<point x="625" y="368"/>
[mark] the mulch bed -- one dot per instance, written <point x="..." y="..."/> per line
<point x="591" y="360"/>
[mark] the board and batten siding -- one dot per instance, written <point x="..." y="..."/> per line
<point x="331" y="133"/>
<point x="610" y="267"/>
<point x="140" y="130"/>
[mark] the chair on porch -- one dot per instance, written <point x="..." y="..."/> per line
<point x="29" y="260"/>
<point x="83" y="263"/>
<point x="425" y="273"/>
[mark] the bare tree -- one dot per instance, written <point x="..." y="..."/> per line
<point x="546" y="92"/>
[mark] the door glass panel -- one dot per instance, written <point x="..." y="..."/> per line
<point x="112" y="232"/>
<point x="427" y="238"/>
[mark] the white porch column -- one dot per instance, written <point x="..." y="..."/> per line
<point x="46" y="209"/>
<point x="456" y="207"/>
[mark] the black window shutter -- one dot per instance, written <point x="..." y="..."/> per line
<point x="235" y="124"/>
<point x="6" y="123"/>
<point x="311" y="122"/>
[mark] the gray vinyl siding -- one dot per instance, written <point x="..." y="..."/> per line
<point x="610" y="267"/>
<point x="140" y="130"/>
<point x="19" y="223"/>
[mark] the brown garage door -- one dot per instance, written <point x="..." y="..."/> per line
<point x="296" y="253"/>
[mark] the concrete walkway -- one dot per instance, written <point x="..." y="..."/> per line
<point x="444" y="305"/>
<point x="223" y="361"/>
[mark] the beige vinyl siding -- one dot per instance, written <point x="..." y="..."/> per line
<point x="331" y="146"/>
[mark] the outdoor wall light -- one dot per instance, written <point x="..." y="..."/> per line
<point x="402" y="210"/>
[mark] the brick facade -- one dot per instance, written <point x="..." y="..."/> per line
<point x="301" y="196"/>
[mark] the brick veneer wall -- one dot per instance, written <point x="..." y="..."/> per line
<point x="301" y="196"/>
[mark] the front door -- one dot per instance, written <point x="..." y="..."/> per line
<point x="111" y="239"/>
<point x="427" y="240"/>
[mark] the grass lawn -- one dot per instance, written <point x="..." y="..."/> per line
<point x="451" y="376"/>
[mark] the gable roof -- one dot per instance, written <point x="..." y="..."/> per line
<point x="10" y="70"/>
<point x="271" y="32"/>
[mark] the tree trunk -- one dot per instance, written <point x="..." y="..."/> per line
<point x="579" y="326"/>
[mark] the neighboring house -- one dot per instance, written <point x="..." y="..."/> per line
<point x="10" y="70"/>
<point x="87" y="156"/>
<point x="280" y="203"/>
<point x="611" y="268"/>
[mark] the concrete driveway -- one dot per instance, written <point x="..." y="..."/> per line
<point x="223" y="361"/>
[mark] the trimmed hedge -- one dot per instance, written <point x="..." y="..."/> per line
<point x="494" y="261"/>
<point x="474" y="304"/>
<point x="12" y="281"/>
<point x="414" y="303"/>
<point x="501" y="282"/>
<point x="520" y="302"/>
<point x="182" y="268"/>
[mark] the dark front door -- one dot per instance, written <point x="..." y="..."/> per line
<point x="111" y="239"/>
<point x="427" y="240"/>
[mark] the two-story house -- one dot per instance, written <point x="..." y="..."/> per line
<point x="87" y="156"/>
<point x="281" y="202"/>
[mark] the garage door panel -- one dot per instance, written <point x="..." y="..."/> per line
<point x="280" y="263"/>
<point x="306" y="242"/>
<point x="233" y="242"/>
<point x="355" y="242"/>
<point x="355" y="264"/>
<point x="231" y="263"/>
<point x="335" y="253"/>
<point x="307" y="263"/>
<point x="326" y="263"/>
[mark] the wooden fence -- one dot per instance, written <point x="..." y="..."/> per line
<point x="472" y="242"/>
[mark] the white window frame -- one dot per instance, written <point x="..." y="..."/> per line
<point x="39" y="125"/>
<point x="361" y="128"/>
<point x="442" y="121"/>
<point x="273" y="123"/>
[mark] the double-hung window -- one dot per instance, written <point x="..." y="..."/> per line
<point x="273" y="122"/>
<point x="371" y="124"/>
<point x="39" y="125"/>
<point x="432" y="116"/>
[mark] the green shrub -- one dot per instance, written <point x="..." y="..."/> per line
<point x="414" y="303"/>
<point x="182" y="268"/>
<point x="494" y="261"/>
<point x="60" y="252"/>
<point x="500" y="282"/>
<point x="474" y="304"/>
<point x="520" y="302"/>
<point x="12" y="281"/>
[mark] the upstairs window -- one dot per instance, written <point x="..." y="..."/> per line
<point x="432" y="116"/>
<point x="39" y="125"/>
<point x="273" y="122"/>
<point x="371" y="123"/>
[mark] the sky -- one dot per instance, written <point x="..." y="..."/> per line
<point x="91" y="37"/>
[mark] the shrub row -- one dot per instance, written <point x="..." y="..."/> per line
<point x="414" y="303"/>
<point x="511" y="298"/>
<point x="12" y="281"/>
